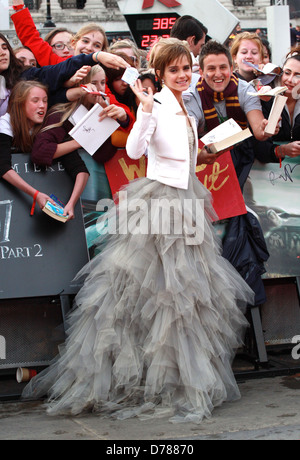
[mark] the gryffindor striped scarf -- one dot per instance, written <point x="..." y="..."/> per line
<point x="209" y="97"/>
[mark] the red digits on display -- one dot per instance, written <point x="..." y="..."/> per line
<point x="149" y="40"/>
<point x="158" y="25"/>
<point x="163" y="23"/>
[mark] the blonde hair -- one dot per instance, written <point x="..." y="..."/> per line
<point x="66" y="108"/>
<point x="23" y="133"/>
<point x="95" y="69"/>
<point x="161" y="41"/>
<point x="88" y="28"/>
<point x="246" y="36"/>
<point x="119" y="45"/>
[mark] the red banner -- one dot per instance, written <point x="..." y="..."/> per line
<point x="220" y="179"/>
<point x="167" y="3"/>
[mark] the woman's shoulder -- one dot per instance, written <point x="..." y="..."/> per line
<point x="54" y="117"/>
<point x="5" y="125"/>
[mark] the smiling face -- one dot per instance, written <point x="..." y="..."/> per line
<point x="36" y="106"/>
<point x="177" y="75"/>
<point x="216" y="71"/>
<point x="249" y="52"/>
<point x="4" y="56"/>
<point x="291" y="77"/>
<point x="61" y="44"/>
<point x="90" y="42"/>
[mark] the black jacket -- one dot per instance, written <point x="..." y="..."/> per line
<point x="244" y="245"/>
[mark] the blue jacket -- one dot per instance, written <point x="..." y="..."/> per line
<point x="54" y="76"/>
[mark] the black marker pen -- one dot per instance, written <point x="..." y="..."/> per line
<point x="155" y="100"/>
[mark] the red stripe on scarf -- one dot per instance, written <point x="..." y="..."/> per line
<point x="209" y="97"/>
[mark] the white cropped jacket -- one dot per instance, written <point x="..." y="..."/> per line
<point x="163" y="134"/>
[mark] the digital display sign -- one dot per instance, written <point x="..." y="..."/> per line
<point x="147" y="28"/>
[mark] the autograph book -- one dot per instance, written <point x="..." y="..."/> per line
<point x="225" y="136"/>
<point x="91" y="133"/>
<point x="55" y="210"/>
<point x="275" y="113"/>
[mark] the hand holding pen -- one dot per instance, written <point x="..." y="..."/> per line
<point x="113" y="111"/>
<point x="145" y="97"/>
<point x="99" y="96"/>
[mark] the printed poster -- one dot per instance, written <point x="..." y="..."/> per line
<point x="273" y="193"/>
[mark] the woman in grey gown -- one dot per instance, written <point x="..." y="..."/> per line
<point x="156" y="324"/>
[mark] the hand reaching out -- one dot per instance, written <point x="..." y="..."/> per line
<point x="110" y="60"/>
<point x="69" y="211"/>
<point x="205" y="157"/>
<point x="264" y="125"/>
<point x="292" y="149"/>
<point x="78" y="76"/>
<point x="145" y="98"/>
<point x="42" y="199"/>
<point x="113" y="111"/>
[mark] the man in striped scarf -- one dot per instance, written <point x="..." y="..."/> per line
<point x="219" y="95"/>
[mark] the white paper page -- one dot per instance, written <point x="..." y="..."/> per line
<point x="78" y="114"/>
<point x="130" y="75"/>
<point x="224" y="130"/>
<point x="90" y="133"/>
<point x="268" y="68"/>
<point x="268" y="92"/>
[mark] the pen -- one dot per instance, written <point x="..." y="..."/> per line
<point x="96" y="93"/>
<point x="105" y="100"/>
<point x="155" y="100"/>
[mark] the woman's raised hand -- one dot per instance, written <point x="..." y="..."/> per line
<point x="145" y="97"/>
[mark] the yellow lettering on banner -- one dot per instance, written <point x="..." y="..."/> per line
<point x="133" y="171"/>
<point x="200" y="168"/>
<point x="210" y="180"/>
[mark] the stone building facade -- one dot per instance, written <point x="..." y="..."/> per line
<point x="74" y="13"/>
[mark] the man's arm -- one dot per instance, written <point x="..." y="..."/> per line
<point x="258" y="124"/>
<point x="253" y="110"/>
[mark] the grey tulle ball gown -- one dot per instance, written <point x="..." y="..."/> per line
<point x="156" y="324"/>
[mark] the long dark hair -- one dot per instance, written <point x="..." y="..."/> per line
<point x="15" y="68"/>
<point x="23" y="133"/>
<point x="112" y="74"/>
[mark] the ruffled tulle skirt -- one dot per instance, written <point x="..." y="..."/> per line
<point x="156" y="324"/>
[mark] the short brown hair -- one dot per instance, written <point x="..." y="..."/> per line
<point x="50" y="35"/>
<point x="214" y="47"/>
